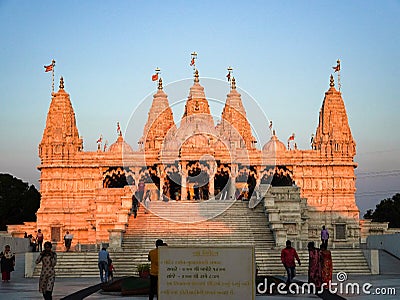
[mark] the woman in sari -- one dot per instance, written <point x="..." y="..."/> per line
<point x="326" y="265"/>
<point x="48" y="275"/>
<point x="314" y="265"/>
<point x="7" y="263"/>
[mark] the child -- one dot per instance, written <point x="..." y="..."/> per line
<point x="110" y="270"/>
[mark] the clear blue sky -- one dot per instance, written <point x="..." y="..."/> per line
<point x="282" y="53"/>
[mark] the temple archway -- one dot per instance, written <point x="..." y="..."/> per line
<point x="221" y="181"/>
<point x="172" y="186"/>
<point x="282" y="177"/>
<point x="197" y="173"/>
<point x="117" y="177"/>
<point x="246" y="182"/>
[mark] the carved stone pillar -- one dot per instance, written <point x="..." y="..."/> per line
<point x="211" y="173"/>
<point x="161" y="175"/>
<point x="184" y="174"/>
<point x="232" y="181"/>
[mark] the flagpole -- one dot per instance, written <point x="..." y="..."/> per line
<point x="193" y="60"/>
<point x="230" y="71"/>
<point x="338" y="74"/>
<point x="53" y="63"/>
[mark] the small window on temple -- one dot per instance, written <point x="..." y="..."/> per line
<point x="55" y="234"/>
<point x="340" y="231"/>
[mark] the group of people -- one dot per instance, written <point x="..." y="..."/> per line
<point x="106" y="267"/>
<point x="319" y="262"/>
<point x="36" y="240"/>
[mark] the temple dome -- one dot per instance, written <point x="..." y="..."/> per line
<point x="120" y="146"/>
<point x="274" y="145"/>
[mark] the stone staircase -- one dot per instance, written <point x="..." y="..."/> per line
<point x="189" y="223"/>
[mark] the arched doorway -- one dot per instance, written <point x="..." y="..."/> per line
<point x="282" y="177"/>
<point x="246" y="182"/>
<point x="221" y="181"/>
<point x="197" y="175"/>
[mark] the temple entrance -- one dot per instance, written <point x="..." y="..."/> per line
<point x="198" y="181"/>
<point x="282" y="177"/>
<point x="172" y="186"/>
<point x="246" y="182"/>
<point x="116" y="177"/>
<point x="221" y="182"/>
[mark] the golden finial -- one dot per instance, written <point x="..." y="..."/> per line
<point x="233" y="83"/>
<point x="160" y="87"/>
<point x="332" y="81"/>
<point x="196" y="76"/>
<point x="61" y="83"/>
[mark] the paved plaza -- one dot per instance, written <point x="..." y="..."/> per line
<point x="27" y="288"/>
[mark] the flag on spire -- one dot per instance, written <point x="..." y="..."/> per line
<point x="193" y="59"/>
<point x="270" y="125"/>
<point x="48" y="68"/>
<point x="228" y="76"/>
<point x="100" y="139"/>
<point x="291" y="138"/>
<point x="337" y="67"/>
<point x="154" y="77"/>
<point x="118" y="128"/>
<point x="105" y="146"/>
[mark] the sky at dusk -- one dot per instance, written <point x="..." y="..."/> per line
<point x="281" y="52"/>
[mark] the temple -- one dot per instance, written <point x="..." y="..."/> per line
<point x="89" y="193"/>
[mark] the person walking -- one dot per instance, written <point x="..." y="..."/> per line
<point x="103" y="264"/>
<point x="196" y="191"/>
<point x="153" y="258"/>
<point x="68" y="241"/>
<point x="7" y="263"/>
<point x="135" y="205"/>
<point x="141" y="187"/>
<point x="324" y="236"/>
<point x="314" y="265"/>
<point x="47" y="275"/>
<point x="39" y="240"/>
<point x="146" y="201"/>
<point x="288" y="255"/>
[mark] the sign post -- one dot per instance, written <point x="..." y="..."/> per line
<point x="206" y="273"/>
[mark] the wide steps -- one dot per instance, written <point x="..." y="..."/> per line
<point x="236" y="225"/>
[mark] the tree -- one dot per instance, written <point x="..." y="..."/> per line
<point x="18" y="201"/>
<point x="388" y="210"/>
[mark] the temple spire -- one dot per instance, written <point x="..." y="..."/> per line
<point x="333" y="135"/>
<point x="61" y="83"/>
<point x="160" y="86"/>
<point x="196" y="75"/>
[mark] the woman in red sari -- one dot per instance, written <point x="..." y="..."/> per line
<point x="326" y="265"/>
<point x="314" y="265"/>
